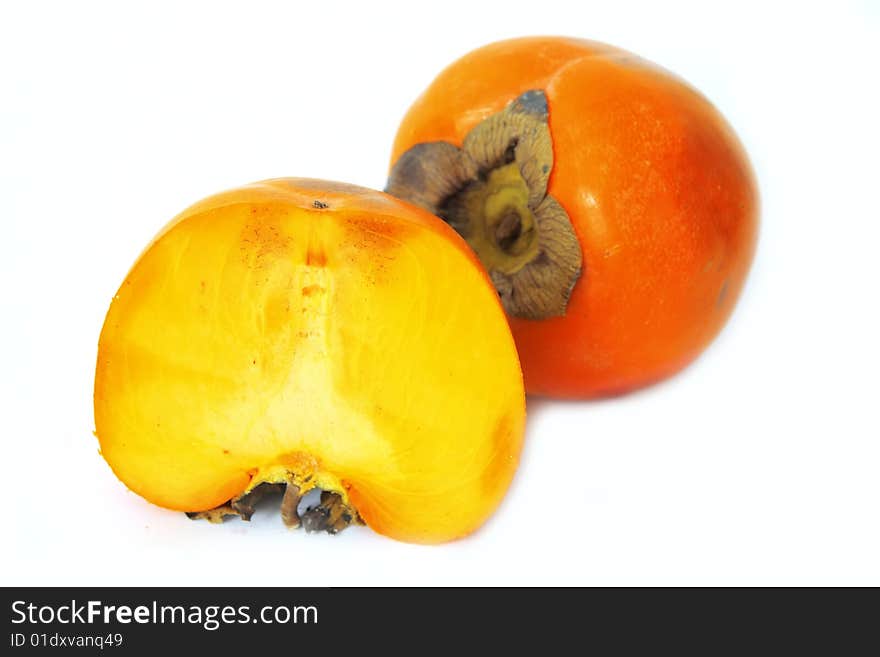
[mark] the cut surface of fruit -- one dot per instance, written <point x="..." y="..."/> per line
<point x="311" y="334"/>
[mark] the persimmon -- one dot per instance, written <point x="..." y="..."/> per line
<point x="612" y="205"/>
<point x="298" y="334"/>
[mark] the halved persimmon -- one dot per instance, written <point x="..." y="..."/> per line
<point x="298" y="334"/>
<point x="612" y="205"/>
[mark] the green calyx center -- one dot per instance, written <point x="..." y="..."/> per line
<point x="493" y="190"/>
<point x="496" y="220"/>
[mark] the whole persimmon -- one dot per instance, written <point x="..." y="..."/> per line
<point x="298" y="334"/>
<point x="613" y="207"/>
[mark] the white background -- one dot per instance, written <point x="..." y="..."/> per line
<point x="758" y="465"/>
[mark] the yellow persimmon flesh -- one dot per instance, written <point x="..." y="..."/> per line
<point x="318" y="334"/>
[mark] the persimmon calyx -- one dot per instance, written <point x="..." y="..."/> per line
<point x="493" y="192"/>
<point x="332" y="514"/>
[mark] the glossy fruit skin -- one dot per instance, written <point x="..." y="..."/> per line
<point x="307" y="327"/>
<point x="659" y="190"/>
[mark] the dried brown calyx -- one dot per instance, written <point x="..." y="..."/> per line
<point x="331" y="515"/>
<point x="493" y="192"/>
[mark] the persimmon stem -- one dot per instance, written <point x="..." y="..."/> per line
<point x="496" y="219"/>
<point x="331" y="515"/>
<point x="493" y="191"/>
<point x="289" y="506"/>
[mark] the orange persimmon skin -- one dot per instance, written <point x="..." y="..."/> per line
<point x="659" y="191"/>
